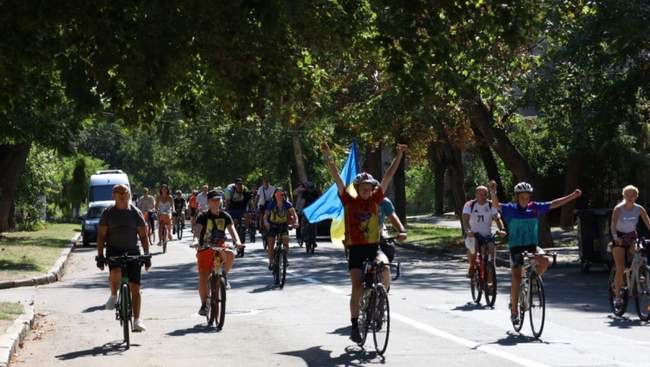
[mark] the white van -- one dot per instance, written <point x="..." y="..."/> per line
<point x="100" y="197"/>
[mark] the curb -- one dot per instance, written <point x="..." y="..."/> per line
<point x="15" y="334"/>
<point x="55" y="273"/>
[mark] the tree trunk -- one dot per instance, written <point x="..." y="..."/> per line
<point x="12" y="164"/>
<point x="572" y="177"/>
<point x="373" y="163"/>
<point x="399" y="180"/>
<point x="438" y="166"/>
<point x="490" y="164"/>
<point x="454" y="156"/>
<point x="299" y="158"/>
<point x="482" y="120"/>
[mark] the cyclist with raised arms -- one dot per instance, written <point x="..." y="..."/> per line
<point x="522" y="219"/>
<point x="625" y="218"/>
<point x="278" y="217"/>
<point x="362" y="231"/>
<point x="477" y="220"/>
<point x="211" y="226"/>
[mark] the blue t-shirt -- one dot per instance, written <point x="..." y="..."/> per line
<point x="386" y="208"/>
<point x="523" y="223"/>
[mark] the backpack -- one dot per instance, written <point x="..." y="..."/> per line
<point x="473" y="204"/>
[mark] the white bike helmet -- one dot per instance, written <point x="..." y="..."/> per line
<point x="364" y="177"/>
<point x="523" y="187"/>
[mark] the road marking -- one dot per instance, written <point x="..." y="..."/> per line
<point x="441" y="333"/>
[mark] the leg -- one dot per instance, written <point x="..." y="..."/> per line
<point x="356" y="277"/>
<point x="136" y="300"/>
<point x="471" y="259"/>
<point x="270" y="243"/>
<point x="160" y="229"/>
<point x="228" y="258"/>
<point x="285" y="242"/>
<point x="619" y="261"/>
<point x="385" y="274"/>
<point x="169" y="229"/>
<point x="204" y="276"/>
<point x="514" y="290"/>
<point x="542" y="264"/>
<point x="114" y="277"/>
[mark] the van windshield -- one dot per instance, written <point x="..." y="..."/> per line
<point x="100" y="193"/>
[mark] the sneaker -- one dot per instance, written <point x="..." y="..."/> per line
<point x="515" y="319"/>
<point x="355" y="336"/>
<point x="203" y="311"/>
<point x="138" y="326"/>
<point x="110" y="303"/>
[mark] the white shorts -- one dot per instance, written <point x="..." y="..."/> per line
<point x="470" y="243"/>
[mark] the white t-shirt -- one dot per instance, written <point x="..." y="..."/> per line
<point x="480" y="217"/>
<point x="264" y="194"/>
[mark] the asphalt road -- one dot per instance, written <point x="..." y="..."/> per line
<point x="307" y="323"/>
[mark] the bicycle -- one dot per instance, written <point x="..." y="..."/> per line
<point x="279" y="262"/>
<point x="484" y="279"/>
<point x="217" y="288"/>
<point x="163" y="240"/>
<point x="179" y="225"/>
<point x="123" y="309"/>
<point x="241" y="231"/>
<point x="637" y="279"/>
<point x="531" y="296"/>
<point x="374" y="309"/>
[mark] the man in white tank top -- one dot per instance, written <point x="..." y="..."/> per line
<point x="477" y="221"/>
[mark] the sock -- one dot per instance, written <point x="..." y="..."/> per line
<point x="355" y="323"/>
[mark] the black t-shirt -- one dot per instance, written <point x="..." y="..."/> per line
<point x="179" y="204"/>
<point x="310" y="196"/>
<point x="213" y="227"/>
<point x="122" y="226"/>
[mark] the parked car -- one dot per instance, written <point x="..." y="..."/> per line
<point x="90" y="221"/>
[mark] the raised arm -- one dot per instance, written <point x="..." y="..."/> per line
<point x="566" y="199"/>
<point x="493" y="195"/>
<point x="388" y="176"/>
<point x="331" y="167"/>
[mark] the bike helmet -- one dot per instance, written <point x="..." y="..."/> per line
<point x="364" y="177"/>
<point x="523" y="187"/>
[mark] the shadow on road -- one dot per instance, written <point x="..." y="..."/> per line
<point x="512" y="339"/>
<point x="196" y="329"/>
<point x="625" y="322"/>
<point x="343" y="331"/>
<point x="94" y="309"/>
<point x="353" y="356"/>
<point x="111" y="348"/>
<point x="471" y="306"/>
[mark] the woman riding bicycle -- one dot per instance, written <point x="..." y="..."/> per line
<point x="278" y="216"/>
<point x="623" y="226"/>
<point x="165" y="208"/>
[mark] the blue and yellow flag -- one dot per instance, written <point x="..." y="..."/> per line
<point x="329" y="206"/>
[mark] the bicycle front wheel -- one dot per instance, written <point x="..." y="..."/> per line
<point x="475" y="286"/>
<point x="642" y="295"/>
<point x="283" y="268"/>
<point x="381" y="320"/>
<point x="124" y="313"/>
<point x="212" y="301"/>
<point x="617" y="309"/>
<point x="221" y="301"/>
<point x="537" y="305"/>
<point x="179" y="228"/>
<point x="490" y="284"/>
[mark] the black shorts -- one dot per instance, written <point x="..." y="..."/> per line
<point x="193" y="212"/>
<point x="358" y="254"/>
<point x="134" y="269"/>
<point x="516" y="257"/>
<point x="278" y="230"/>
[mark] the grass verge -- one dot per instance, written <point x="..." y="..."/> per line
<point x="432" y="236"/>
<point x="26" y="254"/>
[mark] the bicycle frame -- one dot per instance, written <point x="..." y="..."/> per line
<point x="631" y="272"/>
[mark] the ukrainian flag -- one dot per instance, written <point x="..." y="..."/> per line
<point x="329" y="206"/>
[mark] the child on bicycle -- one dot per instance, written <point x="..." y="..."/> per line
<point x="522" y="219"/>
<point x="625" y="218"/>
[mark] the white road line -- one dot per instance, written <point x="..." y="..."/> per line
<point x="441" y="333"/>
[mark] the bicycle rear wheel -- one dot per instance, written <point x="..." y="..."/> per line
<point x="475" y="286"/>
<point x="365" y="314"/>
<point x="642" y="294"/>
<point x="617" y="310"/>
<point x="381" y="320"/>
<point x="179" y="227"/>
<point x="537" y="305"/>
<point x="276" y="267"/>
<point x="520" y="309"/>
<point x="212" y="300"/>
<point x="490" y="284"/>
<point x="221" y="301"/>
<point x="124" y="313"/>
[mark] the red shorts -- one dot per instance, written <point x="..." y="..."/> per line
<point x="205" y="260"/>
